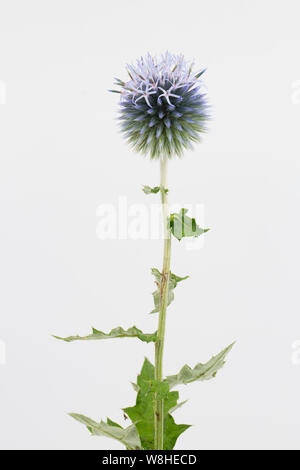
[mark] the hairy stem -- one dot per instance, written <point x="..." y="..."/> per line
<point x="159" y="344"/>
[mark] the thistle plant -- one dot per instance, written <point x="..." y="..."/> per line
<point x="163" y="111"/>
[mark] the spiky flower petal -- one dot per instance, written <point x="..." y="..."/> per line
<point x="162" y="107"/>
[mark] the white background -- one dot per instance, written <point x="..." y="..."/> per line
<point x="62" y="156"/>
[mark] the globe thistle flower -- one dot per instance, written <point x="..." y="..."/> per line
<point x="162" y="107"/>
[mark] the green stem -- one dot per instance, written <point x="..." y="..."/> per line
<point x="159" y="344"/>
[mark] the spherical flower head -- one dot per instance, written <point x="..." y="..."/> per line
<point x="162" y="107"/>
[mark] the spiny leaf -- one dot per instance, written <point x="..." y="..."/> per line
<point x="118" y="332"/>
<point x="201" y="371"/>
<point x="113" y="423"/>
<point x="142" y="414"/>
<point x="179" y="405"/>
<point x="135" y="387"/>
<point x="155" y="190"/>
<point x="183" y="226"/>
<point x="173" y="281"/>
<point x="128" y="436"/>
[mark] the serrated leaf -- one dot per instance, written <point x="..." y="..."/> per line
<point x="173" y="281"/>
<point x="183" y="226"/>
<point x="128" y="436"/>
<point x="201" y="371"/>
<point x="155" y="190"/>
<point x="118" y="332"/>
<point x="142" y="414"/>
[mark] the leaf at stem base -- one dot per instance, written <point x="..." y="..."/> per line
<point x="142" y="414"/>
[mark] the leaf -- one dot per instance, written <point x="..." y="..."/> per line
<point x="113" y="423"/>
<point x="201" y="371"/>
<point x="179" y="405"/>
<point x="149" y="190"/>
<point x="173" y="281"/>
<point x="155" y="190"/>
<point x="128" y="436"/>
<point x="183" y="226"/>
<point x="136" y="388"/>
<point x="142" y="414"/>
<point x="118" y="332"/>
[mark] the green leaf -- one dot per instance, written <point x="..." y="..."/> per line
<point x="128" y="436"/>
<point x="113" y="423"/>
<point x="183" y="226"/>
<point x="173" y="281"/>
<point x="201" y="371"/>
<point x="155" y="190"/>
<point x="135" y="387"/>
<point x="149" y="190"/>
<point x="179" y="405"/>
<point x="118" y="332"/>
<point x="142" y="414"/>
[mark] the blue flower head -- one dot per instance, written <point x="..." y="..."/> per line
<point x="162" y="108"/>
